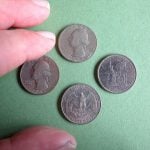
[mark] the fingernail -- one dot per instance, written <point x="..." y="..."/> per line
<point x="48" y="35"/>
<point x="68" y="146"/>
<point x="42" y="3"/>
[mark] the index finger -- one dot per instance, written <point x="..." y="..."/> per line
<point x="23" y="13"/>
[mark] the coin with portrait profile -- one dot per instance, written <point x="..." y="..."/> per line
<point x="39" y="76"/>
<point x="80" y="104"/>
<point x="77" y="43"/>
<point x="116" y="73"/>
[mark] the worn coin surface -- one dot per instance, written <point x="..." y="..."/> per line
<point x="116" y="73"/>
<point x="39" y="76"/>
<point x="77" y="43"/>
<point x="80" y="104"/>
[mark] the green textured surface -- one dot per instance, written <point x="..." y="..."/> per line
<point x="121" y="26"/>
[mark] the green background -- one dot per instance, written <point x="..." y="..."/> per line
<point x="121" y="26"/>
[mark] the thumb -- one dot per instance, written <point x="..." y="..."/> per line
<point x="39" y="138"/>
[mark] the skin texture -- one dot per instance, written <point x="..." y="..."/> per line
<point x="39" y="138"/>
<point x="15" y="49"/>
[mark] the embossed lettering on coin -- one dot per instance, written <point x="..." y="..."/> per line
<point x="39" y="76"/>
<point x="80" y="104"/>
<point x="116" y="73"/>
<point x="77" y="43"/>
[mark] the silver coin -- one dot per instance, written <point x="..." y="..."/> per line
<point x="80" y="104"/>
<point x="39" y="76"/>
<point x="77" y="43"/>
<point x="116" y="73"/>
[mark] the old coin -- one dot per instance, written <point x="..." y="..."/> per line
<point x="77" y="43"/>
<point x="116" y="73"/>
<point x="80" y="104"/>
<point x="39" y="76"/>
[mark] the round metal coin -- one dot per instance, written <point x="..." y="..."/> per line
<point x="77" y="43"/>
<point x="116" y="73"/>
<point x="80" y="104"/>
<point x="39" y="76"/>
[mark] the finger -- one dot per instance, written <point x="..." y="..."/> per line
<point x="39" y="138"/>
<point x="18" y="46"/>
<point x="23" y="13"/>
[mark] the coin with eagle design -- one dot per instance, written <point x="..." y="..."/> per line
<point x="80" y="104"/>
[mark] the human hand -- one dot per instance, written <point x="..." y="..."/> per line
<point x="18" y="46"/>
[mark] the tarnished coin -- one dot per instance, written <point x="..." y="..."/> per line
<point x="77" y="43"/>
<point x="80" y="104"/>
<point x="116" y="73"/>
<point x="39" y="76"/>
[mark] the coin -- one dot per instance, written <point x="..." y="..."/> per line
<point x="39" y="76"/>
<point x="116" y="73"/>
<point x="80" y="104"/>
<point x="77" y="43"/>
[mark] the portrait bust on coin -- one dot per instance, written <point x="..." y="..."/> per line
<point x="41" y="75"/>
<point x="79" y="42"/>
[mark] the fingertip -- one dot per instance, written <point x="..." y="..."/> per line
<point x="49" y="35"/>
<point x="37" y="12"/>
<point x="26" y="45"/>
<point x="24" y="13"/>
<point x="45" y="137"/>
<point x="43" y="43"/>
<point x="42" y="3"/>
<point x="63" y="140"/>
